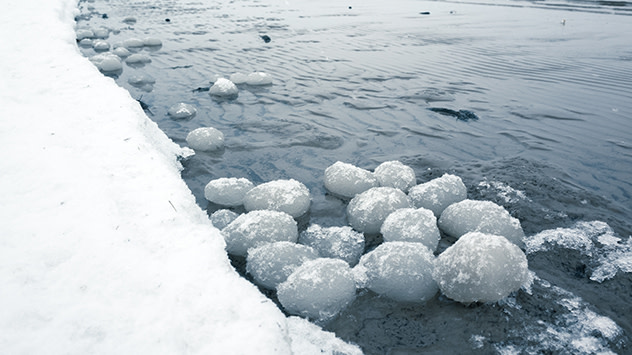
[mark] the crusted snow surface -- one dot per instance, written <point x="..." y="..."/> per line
<point x="227" y="191"/>
<point x="412" y="225"/>
<point x="367" y="211"/>
<point x="271" y="264"/>
<point x="395" y="174"/>
<point x="334" y="242"/>
<point x="256" y="228"/>
<point x="439" y="193"/>
<point x="308" y="338"/>
<point x="289" y="196"/>
<point x="348" y="180"/>
<point x="205" y="139"/>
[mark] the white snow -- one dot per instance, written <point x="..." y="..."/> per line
<point x="439" y="193"/>
<point x="103" y="247"/>
<point x="256" y="228"/>
<point x="271" y="264"/>
<point x="205" y="139"/>
<point x="367" y="211"/>
<point x="227" y="191"/>
<point x="412" y="225"/>
<point x="334" y="242"/>
<point x="289" y="196"/>
<point x="395" y="174"/>
<point x="347" y="180"/>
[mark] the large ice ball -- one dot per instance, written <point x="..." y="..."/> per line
<point x="205" y="139"/>
<point x="107" y="62"/>
<point x="182" y="111"/>
<point x="401" y="271"/>
<point x="348" y="180"/>
<point x="222" y="218"/>
<point x="227" y="191"/>
<point x="271" y="264"/>
<point x="256" y="228"/>
<point x="289" y="196"/>
<point x="481" y="267"/>
<point x="133" y="43"/>
<point x="412" y="225"/>
<point x="367" y="211"/>
<point x="334" y="242"/>
<point x="238" y="78"/>
<point x="319" y="289"/>
<point x="138" y="58"/>
<point x="224" y="88"/>
<point x="395" y="174"/>
<point x="439" y="193"/>
<point x="100" y="46"/>
<point x="152" y="42"/>
<point x="480" y="216"/>
<point x="258" y="79"/>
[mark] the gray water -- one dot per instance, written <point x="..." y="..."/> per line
<point x="550" y="84"/>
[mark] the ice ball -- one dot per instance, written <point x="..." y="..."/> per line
<point x="182" y="111"/>
<point x="395" y="174"/>
<point x="334" y="242"/>
<point x="138" y="58"/>
<point x="481" y="267"/>
<point x="439" y="193"/>
<point x="101" y="33"/>
<point x="401" y="271"/>
<point x="86" y="43"/>
<point x="238" y="78"/>
<point x="257" y="228"/>
<point x="122" y="52"/>
<point x="133" y="43"/>
<point x="205" y="139"/>
<point x="100" y="46"/>
<point x="367" y="211"/>
<point x="222" y="218"/>
<point x="84" y="33"/>
<point x="152" y="42"/>
<point x="130" y="20"/>
<point x="141" y="80"/>
<point x="480" y="216"/>
<point x="227" y="191"/>
<point x="319" y="289"/>
<point x="412" y="225"/>
<point x="348" y="180"/>
<point x="258" y="79"/>
<point x="289" y="196"/>
<point x="271" y="264"/>
<point x="107" y="62"/>
<point x="224" y="88"/>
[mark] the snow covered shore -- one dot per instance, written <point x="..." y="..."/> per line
<point x="102" y="247"/>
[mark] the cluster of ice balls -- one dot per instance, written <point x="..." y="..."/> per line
<point x="317" y="272"/>
<point x="227" y="88"/>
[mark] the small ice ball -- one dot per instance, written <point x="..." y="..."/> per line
<point x="481" y="267"/>
<point x="101" y="33"/>
<point x="138" y="58"/>
<point x="223" y="88"/>
<point x="319" y="289"/>
<point x="133" y="43"/>
<point x="130" y="20"/>
<point x="182" y="111"/>
<point x="439" y="193"/>
<point x="289" y="196"/>
<point x="84" y="33"/>
<point x="257" y="228"/>
<point x="401" y="271"/>
<point x="107" y="62"/>
<point x="334" y="242"/>
<point x="238" y="78"/>
<point x="367" y="211"/>
<point x="412" y="225"/>
<point x="227" y="191"/>
<point x="85" y="43"/>
<point x="141" y="80"/>
<point x="348" y="180"/>
<point x="205" y="139"/>
<point x="480" y="216"/>
<point x="152" y="42"/>
<point x="395" y="174"/>
<point x="222" y="218"/>
<point x="259" y="79"/>
<point x="122" y="52"/>
<point x="100" y="46"/>
<point x="272" y="263"/>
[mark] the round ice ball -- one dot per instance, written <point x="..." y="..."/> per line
<point x="348" y="180"/>
<point x="205" y="139"/>
<point x="480" y="216"/>
<point x="401" y="271"/>
<point x="258" y="79"/>
<point x="257" y="228"/>
<point x="439" y="193"/>
<point x="395" y="174"/>
<point x="238" y="78"/>
<point x="481" y="267"/>
<point x="122" y="52"/>
<point x="182" y="111"/>
<point x="289" y="196"/>
<point x="412" y="225"/>
<point x="152" y="42"/>
<point x="141" y="80"/>
<point x="130" y="20"/>
<point x="272" y="263"/>
<point x="227" y="191"/>
<point x="319" y="289"/>
<point x="107" y="62"/>
<point x="84" y="33"/>
<point x="138" y="58"/>
<point x="334" y="242"/>
<point x="367" y="211"/>
<point x="101" y="33"/>
<point x="133" y="43"/>
<point x="223" y="88"/>
<point x="100" y="46"/>
<point x="222" y="218"/>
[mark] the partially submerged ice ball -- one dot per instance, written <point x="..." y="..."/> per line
<point x="133" y="43"/>
<point x="348" y="180"/>
<point x="224" y="88"/>
<point x="395" y="174"/>
<point x="227" y="191"/>
<point x="152" y="42"/>
<point x="481" y="267"/>
<point x="272" y="263"/>
<point x="289" y="196"/>
<point x="100" y="46"/>
<point x="367" y="211"/>
<point x="258" y="79"/>
<point x="107" y="62"/>
<point x="334" y="242"/>
<point x="182" y="111"/>
<point x="222" y="218"/>
<point x="257" y="228"/>
<point x="412" y="225"/>
<point x="205" y="139"/>
<point x="138" y="58"/>
<point x="439" y="193"/>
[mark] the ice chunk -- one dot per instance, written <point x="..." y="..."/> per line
<point x="222" y="218"/>
<point x="84" y="33"/>
<point x="152" y="42"/>
<point x="439" y="193"/>
<point x="141" y="80"/>
<point x="227" y="191"/>
<point x="481" y="267"/>
<point x="412" y="225"/>
<point x="224" y="88"/>
<point x="348" y="180"/>
<point x="395" y="174"/>
<point x="258" y="79"/>
<point x="319" y="289"/>
<point x="238" y="78"/>
<point x="85" y="43"/>
<point x="401" y="271"/>
<point x="133" y="43"/>
<point x="480" y="216"/>
<point x="107" y="62"/>
<point x="138" y="58"/>
<point x="271" y="264"/>
<point x="256" y="228"/>
<point x="122" y="52"/>
<point x="368" y="210"/>
<point x="130" y="20"/>
<point x="289" y="196"/>
<point x="205" y="139"/>
<point x="101" y="33"/>
<point x="182" y="111"/>
<point x="334" y="242"/>
<point x="100" y="46"/>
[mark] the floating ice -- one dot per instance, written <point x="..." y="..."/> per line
<point x="107" y="62"/>
<point x="205" y="139"/>
<point x="481" y="267"/>
<point x="257" y="228"/>
<point x="480" y="216"/>
<point x="222" y="218"/>
<point x="100" y="46"/>
<point x="439" y="193"/>
<point x="133" y="43"/>
<point x="347" y="180"/>
<point x="412" y="225"/>
<point x="367" y="211"/>
<point x="334" y="242"/>
<point x="138" y="58"/>
<point x="259" y="79"/>
<point x="84" y="33"/>
<point x="143" y="81"/>
<point x="238" y="78"/>
<point x="319" y="289"/>
<point x="101" y="33"/>
<point x="401" y="271"/>
<point x="227" y="191"/>
<point x="289" y="196"/>
<point x="224" y="88"/>
<point x="182" y="111"/>
<point x="122" y="52"/>
<point x="152" y="42"/>
<point x="130" y="20"/>
<point x="85" y="43"/>
<point x="395" y="174"/>
<point x="271" y="264"/>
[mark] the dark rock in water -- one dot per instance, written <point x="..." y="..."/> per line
<point x="266" y="38"/>
<point x="463" y="115"/>
<point x="104" y="16"/>
<point x="202" y="89"/>
<point x="425" y="13"/>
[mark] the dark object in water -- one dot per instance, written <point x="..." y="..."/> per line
<point x="266" y="38"/>
<point x="167" y="20"/>
<point x="181" y="66"/>
<point x="144" y="105"/>
<point x="425" y="13"/>
<point x="463" y="115"/>
<point x="349" y="7"/>
<point x="104" y="16"/>
<point x="202" y="89"/>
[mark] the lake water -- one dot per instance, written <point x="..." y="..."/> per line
<point x="370" y="81"/>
